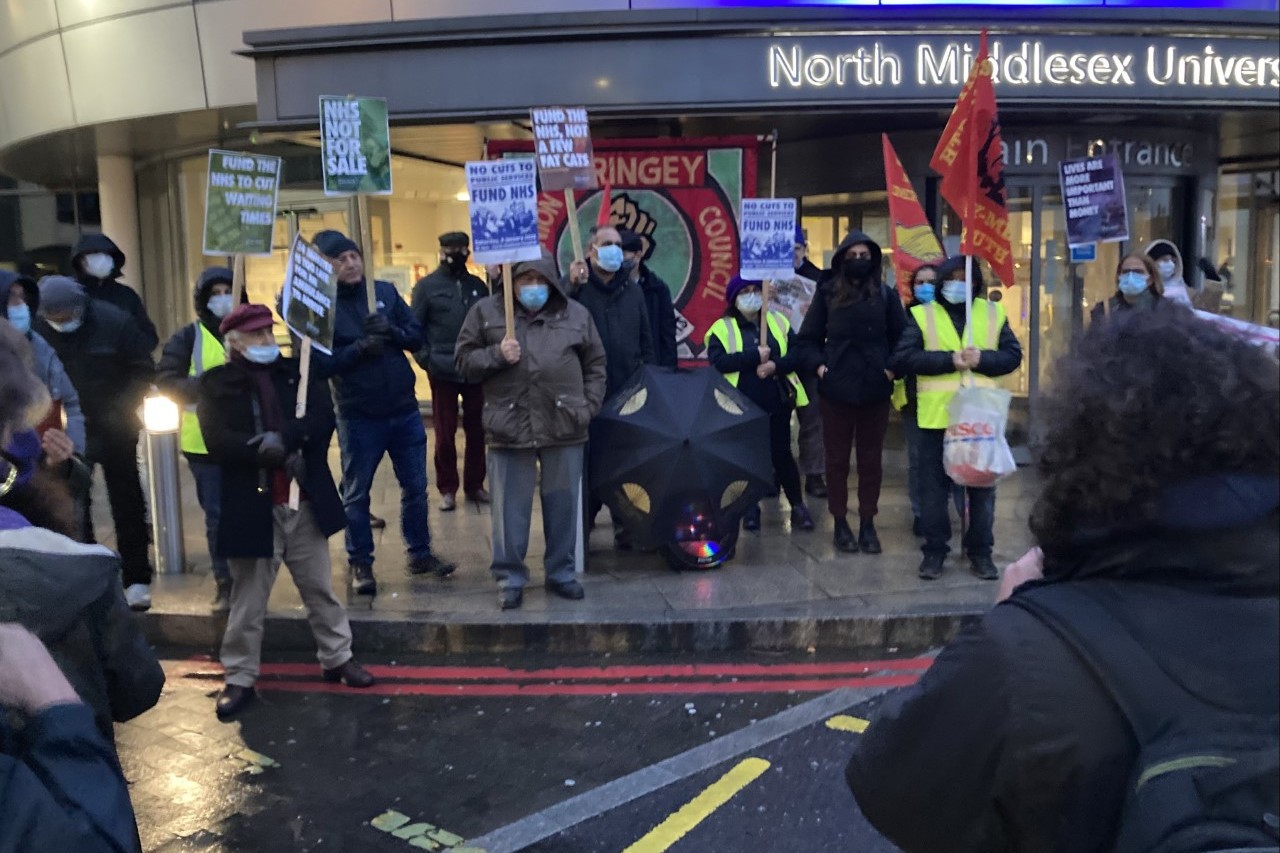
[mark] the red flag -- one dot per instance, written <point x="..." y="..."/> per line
<point x="606" y="203"/>
<point x="969" y="157"/>
<point x="914" y="243"/>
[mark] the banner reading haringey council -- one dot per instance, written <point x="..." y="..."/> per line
<point x="683" y="197"/>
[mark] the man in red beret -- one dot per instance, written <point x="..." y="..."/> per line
<point x="247" y="415"/>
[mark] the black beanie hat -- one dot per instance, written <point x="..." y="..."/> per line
<point x="333" y="243"/>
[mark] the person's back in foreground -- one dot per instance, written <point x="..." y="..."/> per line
<point x="1158" y="522"/>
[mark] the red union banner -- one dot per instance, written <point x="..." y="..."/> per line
<point x="914" y="243"/>
<point x="683" y="197"/>
<point x="968" y="158"/>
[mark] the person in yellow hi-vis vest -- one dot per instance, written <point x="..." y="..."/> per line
<point x="193" y="351"/>
<point x="932" y="349"/>
<point x="760" y="360"/>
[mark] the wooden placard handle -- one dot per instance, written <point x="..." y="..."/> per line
<point x="237" y="280"/>
<point x="575" y="229"/>
<point x="366" y="247"/>
<point x="508" y="301"/>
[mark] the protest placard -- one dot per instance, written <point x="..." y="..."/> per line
<point x="504" y="210"/>
<point x="1093" y="195"/>
<point x="767" y="248"/>
<point x="240" y="203"/>
<point x="310" y="288"/>
<point x="562" y="141"/>
<point x="355" y="145"/>
<point x="792" y="297"/>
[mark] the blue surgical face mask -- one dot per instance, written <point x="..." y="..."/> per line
<point x="955" y="291"/>
<point x="220" y="305"/>
<point x="262" y="353"/>
<point x="68" y="327"/>
<point x="609" y="257"/>
<point x="925" y="292"/>
<point x="533" y="296"/>
<point x="20" y="317"/>
<point x="1133" y="283"/>
<point x="749" y="303"/>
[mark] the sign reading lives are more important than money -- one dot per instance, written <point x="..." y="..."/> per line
<point x="356" y="145"/>
<point x="310" y="288"/>
<point x="767" y="248"/>
<point x="504" y="210"/>
<point x="562" y="142"/>
<point x="240" y="203"/>
<point x="1093" y="194"/>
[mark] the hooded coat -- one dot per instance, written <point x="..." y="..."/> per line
<point x="1008" y="742"/>
<point x="109" y="289"/>
<point x="48" y="366"/>
<point x="173" y="372"/>
<point x="548" y="397"/>
<point x="853" y="339"/>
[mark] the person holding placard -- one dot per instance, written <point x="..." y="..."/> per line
<point x="374" y="389"/>
<point x="542" y="387"/>
<point x="440" y="304"/>
<point x="250" y="425"/>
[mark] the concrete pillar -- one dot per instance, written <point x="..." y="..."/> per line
<point x="118" y="203"/>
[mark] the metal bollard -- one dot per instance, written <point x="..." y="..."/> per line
<point x="161" y="419"/>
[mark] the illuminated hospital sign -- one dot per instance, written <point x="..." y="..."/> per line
<point x="1056" y="65"/>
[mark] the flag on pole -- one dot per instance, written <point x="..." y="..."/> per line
<point x="606" y="203"/>
<point x="970" y="159"/>
<point x="913" y="240"/>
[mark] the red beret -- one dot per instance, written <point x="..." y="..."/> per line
<point x="248" y="318"/>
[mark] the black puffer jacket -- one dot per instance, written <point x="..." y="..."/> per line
<point x="662" y="317"/>
<point x="1008" y="743"/>
<point x="622" y="320"/>
<point x="853" y="339"/>
<point x="440" y="304"/>
<point x="109" y="289"/>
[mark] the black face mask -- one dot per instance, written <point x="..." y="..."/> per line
<point x="857" y="269"/>
<point x="457" y="263"/>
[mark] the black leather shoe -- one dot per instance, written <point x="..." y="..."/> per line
<point x="801" y="519"/>
<point x="931" y="567"/>
<point x="430" y="565"/>
<point x="362" y="580"/>
<point x="984" y="568"/>
<point x="233" y="700"/>
<point x="844" y="539"/>
<point x="815" y="486"/>
<point x="376" y="523"/>
<point x="751" y="519"/>
<point x="867" y="538"/>
<point x="571" y="590"/>
<point x="351" y="674"/>
<point x="510" y="598"/>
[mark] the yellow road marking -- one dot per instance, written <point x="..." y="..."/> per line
<point x="844" y="723"/>
<point x="694" y="812"/>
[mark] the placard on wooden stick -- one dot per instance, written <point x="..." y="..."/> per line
<point x="566" y="162"/>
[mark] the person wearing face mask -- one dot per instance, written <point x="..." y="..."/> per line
<point x="194" y="350"/>
<point x="109" y="361"/>
<point x="440" y="304"/>
<point x="760" y="360"/>
<point x="541" y="390"/>
<point x="846" y="338"/>
<point x="375" y="390"/>
<point x="1138" y="288"/>
<point x="98" y="264"/>
<point x="933" y="350"/>
<point x="617" y="306"/>
<point x="657" y="299"/>
<point x="1168" y="265"/>
<point x="250" y="425"/>
<point x="924" y="290"/>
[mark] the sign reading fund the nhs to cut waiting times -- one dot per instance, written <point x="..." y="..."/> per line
<point x="1062" y="67"/>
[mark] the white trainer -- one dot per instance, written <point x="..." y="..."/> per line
<point x="138" y="596"/>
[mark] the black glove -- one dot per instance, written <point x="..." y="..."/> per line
<point x="377" y="325"/>
<point x="371" y="347"/>
<point x="296" y="467"/>
<point x="271" y="452"/>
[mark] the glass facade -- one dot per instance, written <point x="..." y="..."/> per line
<point x="1248" y="245"/>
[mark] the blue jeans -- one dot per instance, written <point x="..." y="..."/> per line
<point x="363" y="442"/>
<point x="208" y="476"/>
<point x="935" y="488"/>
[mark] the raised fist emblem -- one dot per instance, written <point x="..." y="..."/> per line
<point x="625" y="213"/>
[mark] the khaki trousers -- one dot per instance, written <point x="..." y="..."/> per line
<point x="301" y="546"/>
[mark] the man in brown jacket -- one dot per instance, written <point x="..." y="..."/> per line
<point x="541" y="390"/>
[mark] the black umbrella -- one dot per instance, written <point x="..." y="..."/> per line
<point x="679" y="456"/>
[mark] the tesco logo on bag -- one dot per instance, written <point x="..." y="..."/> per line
<point x="981" y="429"/>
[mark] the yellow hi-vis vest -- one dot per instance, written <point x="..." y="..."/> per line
<point x="207" y="352"/>
<point x="725" y="330"/>
<point x="933" y="393"/>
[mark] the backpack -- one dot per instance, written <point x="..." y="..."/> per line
<point x="1206" y="778"/>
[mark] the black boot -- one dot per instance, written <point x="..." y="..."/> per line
<point x="751" y="519"/>
<point x="931" y="567"/>
<point x="844" y="539"/>
<point x="867" y="537"/>
<point x="984" y="568"/>
<point x="800" y="518"/>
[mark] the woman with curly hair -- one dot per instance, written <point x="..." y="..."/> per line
<point x="1156" y="589"/>
<point x="1138" y="288"/>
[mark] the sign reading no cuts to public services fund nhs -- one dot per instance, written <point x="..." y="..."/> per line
<point x="504" y="210"/>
